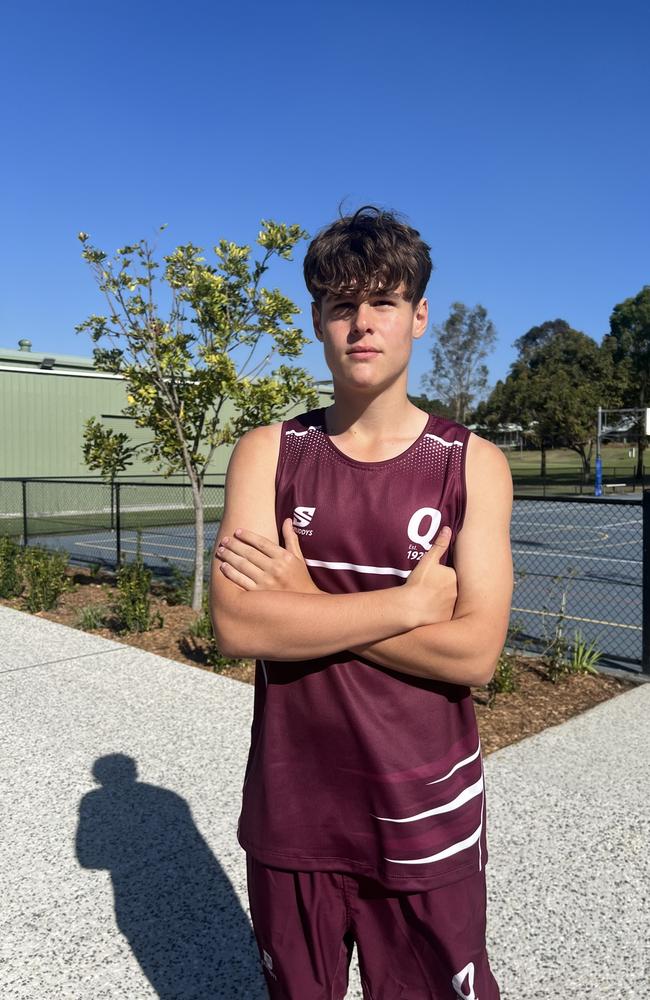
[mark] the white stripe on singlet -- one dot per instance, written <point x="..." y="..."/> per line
<point x="468" y="793"/>
<point x="379" y="570"/>
<point x="447" y="853"/>
<point x="461" y="763"/>
<point x="447" y="444"/>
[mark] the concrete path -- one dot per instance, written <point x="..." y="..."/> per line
<point x="120" y="780"/>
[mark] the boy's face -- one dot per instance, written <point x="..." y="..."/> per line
<point x="368" y="337"/>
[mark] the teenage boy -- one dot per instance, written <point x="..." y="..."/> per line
<point x="363" y="811"/>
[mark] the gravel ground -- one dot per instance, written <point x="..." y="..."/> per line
<point x="121" y="774"/>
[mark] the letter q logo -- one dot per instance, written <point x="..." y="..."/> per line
<point x="421" y="516"/>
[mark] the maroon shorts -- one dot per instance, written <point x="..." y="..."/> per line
<point x="415" y="946"/>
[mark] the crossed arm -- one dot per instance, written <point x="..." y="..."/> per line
<point x="265" y="604"/>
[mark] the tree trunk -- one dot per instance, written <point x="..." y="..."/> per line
<point x="199" y="542"/>
<point x="543" y="465"/>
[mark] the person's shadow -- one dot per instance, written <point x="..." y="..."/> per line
<point x="173" y="902"/>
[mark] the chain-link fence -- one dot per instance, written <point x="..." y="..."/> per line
<point x="579" y="561"/>
<point x="578" y="566"/>
<point x="105" y="524"/>
<point x="573" y="481"/>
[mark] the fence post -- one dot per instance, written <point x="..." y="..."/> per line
<point x="118" y="527"/>
<point x="645" y="569"/>
<point x="24" y="486"/>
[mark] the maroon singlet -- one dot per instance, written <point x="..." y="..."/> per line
<point x="354" y="767"/>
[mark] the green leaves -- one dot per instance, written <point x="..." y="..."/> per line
<point x="188" y="335"/>
<point x="280" y="239"/>
<point x="104" y="450"/>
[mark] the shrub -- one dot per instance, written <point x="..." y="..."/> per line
<point x="133" y="605"/>
<point x="44" y="577"/>
<point x="554" y="657"/>
<point x="504" y="677"/>
<point x="92" y="616"/>
<point x="201" y="628"/>
<point x="10" y="581"/>
<point x="179" y="590"/>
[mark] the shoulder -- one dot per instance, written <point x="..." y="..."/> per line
<point x="487" y="470"/>
<point x="483" y="452"/>
<point x="260" y="444"/>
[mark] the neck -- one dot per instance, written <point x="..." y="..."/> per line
<point x="372" y="416"/>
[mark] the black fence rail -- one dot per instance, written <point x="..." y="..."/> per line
<point x="582" y="564"/>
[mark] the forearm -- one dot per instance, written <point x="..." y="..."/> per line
<point x="279" y="625"/>
<point x="454" y="651"/>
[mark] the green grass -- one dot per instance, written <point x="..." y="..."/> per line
<point x="564" y="460"/>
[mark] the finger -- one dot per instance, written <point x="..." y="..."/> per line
<point x="259" y="542"/>
<point x="241" y="563"/>
<point x="249" y="552"/>
<point x="440" y="545"/>
<point x="242" y="581"/>
<point x="290" y="538"/>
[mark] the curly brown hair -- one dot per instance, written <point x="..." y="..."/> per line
<point x="369" y="250"/>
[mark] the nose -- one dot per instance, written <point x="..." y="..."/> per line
<point x="362" y="319"/>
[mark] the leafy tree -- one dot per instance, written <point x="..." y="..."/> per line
<point x="431" y="405"/>
<point x="554" y="388"/>
<point x="539" y="336"/>
<point x="181" y="368"/>
<point x="629" y="339"/>
<point x="462" y="342"/>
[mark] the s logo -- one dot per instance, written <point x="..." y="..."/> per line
<point x="302" y="516"/>
<point x="421" y="516"/>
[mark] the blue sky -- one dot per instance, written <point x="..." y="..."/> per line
<point x="513" y="135"/>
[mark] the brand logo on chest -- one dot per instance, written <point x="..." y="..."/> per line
<point x="302" y="518"/>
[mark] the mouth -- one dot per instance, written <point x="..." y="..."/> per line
<point x="363" y="351"/>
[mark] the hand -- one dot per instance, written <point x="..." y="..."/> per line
<point x="434" y="586"/>
<point x="254" y="562"/>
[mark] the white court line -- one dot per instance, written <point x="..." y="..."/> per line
<point x="576" y="618"/>
<point x="598" y="526"/>
<point x="570" y="555"/>
<point x="154" y="555"/>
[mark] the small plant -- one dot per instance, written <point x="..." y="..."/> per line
<point x="584" y="657"/>
<point x="92" y="616"/>
<point x="10" y="580"/>
<point x="504" y="680"/>
<point x="555" y="657"/>
<point x="201" y="627"/>
<point x="94" y="569"/>
<point x="179" y="591"/>
<point x="44" y="575"/>
<point x="133" y="605"/>
<point x="216" y="659"/>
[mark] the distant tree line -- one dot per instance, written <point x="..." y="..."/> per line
<point x="555" y="385"/>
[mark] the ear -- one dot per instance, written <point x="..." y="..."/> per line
<point x="315" y="318"/>
<point x="420" y="319"/>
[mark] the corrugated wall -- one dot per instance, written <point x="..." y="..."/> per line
<point x="42" y="416"/>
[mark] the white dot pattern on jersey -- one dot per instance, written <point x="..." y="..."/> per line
<point x="432" y="454"/>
